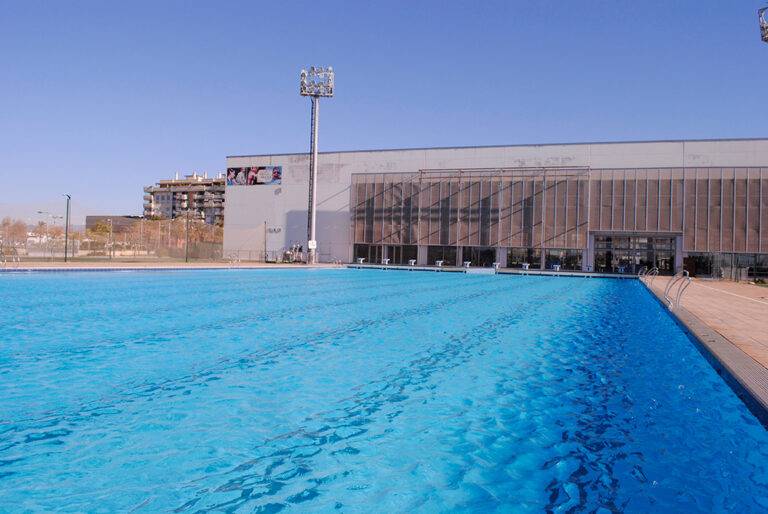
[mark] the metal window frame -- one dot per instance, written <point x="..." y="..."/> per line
<point x="613" y="196"/>
<point x="624" y="200"/>
<point x="760" y="216"/>
<point x="746" y="212"/>
<point x="695" y="208"/>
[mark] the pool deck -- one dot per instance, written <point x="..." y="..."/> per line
<point x="731" y="320"/>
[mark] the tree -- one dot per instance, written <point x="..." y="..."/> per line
<point x="17" y="232"/>
<point x="101" y="228"/>
<point x="56" y="232"/>
<point x="41" y="229"/>
<point x="5" y="228"/>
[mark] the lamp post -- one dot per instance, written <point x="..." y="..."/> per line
<point x="316" y="83"/>
<point x="66" y="229"/>
<point x="54" y="217"/>
<point x="186" y="238"/>
<point x="111" y="239"/>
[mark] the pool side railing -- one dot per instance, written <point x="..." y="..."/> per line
<point x="682" y="280"/>
<point x="648" y="275"/>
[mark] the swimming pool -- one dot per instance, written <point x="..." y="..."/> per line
<point x="360" y="391"/>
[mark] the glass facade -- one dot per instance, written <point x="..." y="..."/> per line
<point x="568" y="260"/>
<point x="401" y="254"/>
<point x="516" y="257"/>
<point x="447" y="254"/>
<point x="553" y="211"/>
<point x="630" y="254"/>
<point x="479" y="256"/>
<point x="371" y="253"/>
<point x="519" y="208"/>
<point x="730" y="265"/>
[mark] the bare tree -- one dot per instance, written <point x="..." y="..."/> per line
<point x="17" y="232"/>
<point x="56" y="232"/>
<point x="41" y="229"/>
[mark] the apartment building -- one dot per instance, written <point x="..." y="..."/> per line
<point x="202" y="196"/>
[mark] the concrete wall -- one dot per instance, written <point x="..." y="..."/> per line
<point x="283" y="208"/>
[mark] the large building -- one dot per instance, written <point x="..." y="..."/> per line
<point x="610" y="207"/>
<point x="202" y="196"/>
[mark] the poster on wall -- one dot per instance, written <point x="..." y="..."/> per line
<point x="254" y="175"/>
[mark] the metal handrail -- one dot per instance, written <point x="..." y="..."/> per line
<point x="642" y="272"/>
<point x="681" y="290"/>
<point x="652" y="274"/>
<point x="684" y="278"/>
<point x="671" y="282"/>
<point x="234" y="258"/>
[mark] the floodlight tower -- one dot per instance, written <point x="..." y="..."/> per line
<point x="316" y="83"/>
<point x="761" y="15"/>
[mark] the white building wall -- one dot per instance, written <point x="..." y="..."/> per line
<point x="283" y="208"/>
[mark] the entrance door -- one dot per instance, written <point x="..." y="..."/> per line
<point x="628" y="254"/>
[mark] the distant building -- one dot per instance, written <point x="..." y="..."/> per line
<point x="120" y="223"/>
<point x="170" y="199"/>
<point x="608" y="207"/>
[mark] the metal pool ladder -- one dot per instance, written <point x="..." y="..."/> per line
<point x="648" y="273"/>
<point x="682" y="279"/>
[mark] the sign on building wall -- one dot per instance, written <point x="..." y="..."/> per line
<point x="254" y="175"/>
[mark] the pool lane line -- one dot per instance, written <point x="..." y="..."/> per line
<point x="236" y="321"/>
<point x="389" y="390"/>
<point x="192" y="379"/>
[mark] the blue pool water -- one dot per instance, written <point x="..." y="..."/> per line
<point x="361" y="391"/>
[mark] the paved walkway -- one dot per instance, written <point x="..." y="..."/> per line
<point x="737" y="311"/>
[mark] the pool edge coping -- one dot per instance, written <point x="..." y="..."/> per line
<point x="744" y="375"/>
<point x="491" y="271"/>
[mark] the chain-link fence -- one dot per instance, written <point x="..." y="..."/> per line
<point x="179" y="239"/>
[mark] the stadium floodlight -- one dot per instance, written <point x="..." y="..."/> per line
<point x="761" y="15"/>
<point x="316" y="83"/>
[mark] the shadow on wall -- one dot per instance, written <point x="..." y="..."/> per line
<point x="333" y="231"/>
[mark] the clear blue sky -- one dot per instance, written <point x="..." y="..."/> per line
<point x="98" y="99"/>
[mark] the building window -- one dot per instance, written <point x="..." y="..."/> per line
<point x="516" y="257"/>
<point x="630" y="254"/>
<point x="479" y="256"/>
<point x="447" y="254"/>
<point x="371" y="253"/>
<point x="567" y="259"/>
<point x="401" y="254"/>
